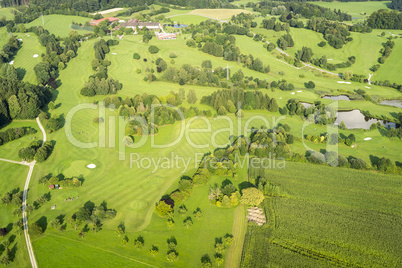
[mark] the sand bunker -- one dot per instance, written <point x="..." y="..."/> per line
<point x="11" y="62"/>
<point x="293" y="93"/>
<point x="299" y="91"/>
<point x="367" y="87"/>
<point x="114" y="53"/>
<point x="36" y="55"/>
<point x="367" y="139"/>
<point x="91" y="166"/>
<point x="343" y="82"/>
<point x="19" y="39"/>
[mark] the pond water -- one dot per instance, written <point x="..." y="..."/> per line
<point x="396" y="103"/>
<point x="177" y="25"/>
<point x="355" y="119"/>
<point x="306" y="104"/>
<point x="336" y="98"/>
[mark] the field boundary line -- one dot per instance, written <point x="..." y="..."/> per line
<point x="233" y="258"/>
<point x="110" y="251"/>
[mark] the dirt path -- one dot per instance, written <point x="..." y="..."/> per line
<point x="233" y="257"/>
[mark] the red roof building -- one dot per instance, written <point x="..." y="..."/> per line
<point x="166" y="36"/>
<point x="96" y="22"/>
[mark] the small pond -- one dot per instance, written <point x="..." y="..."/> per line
<point x="396" y="103"/>
<point x="336" y="98"/>
<point x="355" y="119"/>
<point x="306" y="104"/>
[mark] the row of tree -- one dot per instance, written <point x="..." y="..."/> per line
<point x="385" y="19"/>
<point x="232" y="100"/>
<point x="36" y="151"/>
<point x="99" y="83"/>
<point x="15" y="133"/>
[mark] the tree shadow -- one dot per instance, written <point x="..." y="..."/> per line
<point x="205" y="258"/>
<point x="12" y="238"/>
<point x="21" y="73"/>
<point x="89" y="205"/>
<point x="61" y="218"/>
<point x="9" y="227"/>
<point x="104" y="204"/>
<point x="244" y="185"/>
<point x="12" y="252"/>
<point x="42" y="222"/>
<point x="226" y="182"/>
<point x="172" y="239"/>
<point x="374" y="160"/>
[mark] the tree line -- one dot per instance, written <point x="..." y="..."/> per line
<point x="232" y="100"/>
<point x="36" y="151"/>
<point x="385" y="19"/>
<point x="99" y="83"/>
<point x="15" y="133"/>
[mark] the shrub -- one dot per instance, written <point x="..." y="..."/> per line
<point x="309" y="84"/>
<point x="136" y="56"/>
<point x="153" y="49"/>
<point x="322" y="44"/>
<point x="172" y="55"/>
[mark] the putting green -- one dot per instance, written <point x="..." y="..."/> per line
<point x="77" y="168"/>
<point x="138" y="204"/>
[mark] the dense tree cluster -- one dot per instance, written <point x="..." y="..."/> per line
<point x="200" y="3"/>
<point x="396" y="4"/>
<point x="335" y="33"/>
<point x="271" y="24"/>
<point x="385" y="19"/>
<point x="285" y="41"/>
<point x="19" y="100"/>
<point x="318" y="113"/>
<point x="99" y="83"/>
<point x="93" y="215"/>
<point x="12" y="197"/>
<point x="15" y="133"/>
<point x="225" y="196"/>
<point x="36" y="151"/>
<point x="9" y="50"/>
<point x="231" y="100"/>
<point x="61" y="181"/>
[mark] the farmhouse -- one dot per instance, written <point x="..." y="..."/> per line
<point x="166" y="36"/>
<point x="96" y="22"/>
<point x="134" y="23"/>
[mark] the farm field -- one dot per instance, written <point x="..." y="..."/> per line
<point x="335" y="214"/>
<point x="12" y="177"/>
<point x="356" y="9"/>
<point x="59" y="25"/>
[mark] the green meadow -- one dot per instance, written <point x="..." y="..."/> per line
<point x="358" y="10"/>
<point x="12" y="177"/>
<point x="319" y="198"/>
<point x="59" y="25"/>
<point x="7" y="12"/>
<point x="327" y="218"/>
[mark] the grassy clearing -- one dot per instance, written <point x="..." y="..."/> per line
<point x="13" y="176"/>
<point x="7" y="12"/>
<point x="356" y="9"/>
<point x="334" y="213"/>
<point x="10" y="149"/>
<point x="24" y="62"/>
<point x="390" y="69"/>
<point x="218" y="13"/>
<point x="59" y="25"/>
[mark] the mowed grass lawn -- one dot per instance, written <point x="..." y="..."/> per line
<point x="390" y="70"/>
<point x="133" y="191"/>
<point x="59" y="25"/>
<point x="7" y="12"/>
<point x="12" y="177"/>
<point x="356" y="9"/>
<point x="10" y="149"/>
<point x="346" y="217"/>
<point x="365" y="47"/>
<point x="24" y="61"/>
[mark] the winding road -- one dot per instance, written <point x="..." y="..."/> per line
<point x="31" y="166"/>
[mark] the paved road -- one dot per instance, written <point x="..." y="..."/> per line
<point x="24" y="202"/>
